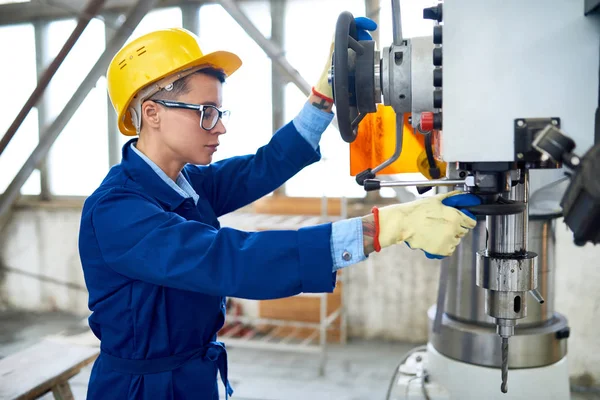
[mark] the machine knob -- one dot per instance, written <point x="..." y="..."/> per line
<point x="434" y="13"/>
<point x="553" y="142"/>
<point x="437" y="77"/>
<point x="437" y="121"/>
<point x="437" y="34"/>
<point x="430" y="121"/>
<point x="426" y="121"/>
<point x="437" y="98"/>
<point x="563" y="333"/>
<point x="437" y="56"/>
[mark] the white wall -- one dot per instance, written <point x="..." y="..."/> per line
<point x="387" y="295"/>
<point x="578" y="297"/>
<point x="42" y="242"/>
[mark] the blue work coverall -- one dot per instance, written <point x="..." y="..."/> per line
<point x="158" y="267"/>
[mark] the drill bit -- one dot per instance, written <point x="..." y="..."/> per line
<point x="504" y="387"/>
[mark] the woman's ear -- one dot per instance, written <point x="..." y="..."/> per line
<point x="150" y="114"/>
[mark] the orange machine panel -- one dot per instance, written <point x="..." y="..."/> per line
<point x="376" y="141"/>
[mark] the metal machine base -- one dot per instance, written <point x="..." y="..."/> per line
<point x="430" y="375"/>
<point x="531" y="347"/>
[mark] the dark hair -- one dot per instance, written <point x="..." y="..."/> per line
<point x="180" y="86"/>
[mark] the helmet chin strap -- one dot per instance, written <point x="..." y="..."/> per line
<point x="135" y="108"/>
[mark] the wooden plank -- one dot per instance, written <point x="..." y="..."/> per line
<point x="62" y="391"/>
<point x="36" y="370"/>
<point x="262" y="222"/>
<point x="294" y="220"/>
<point x="333" y="334"/>
<point x="304" y="309"/>
<point x="296" y="205"/>
<point x="313" y="221"/>
<point x="298" y="308"/>
<point x="270" y="222"/>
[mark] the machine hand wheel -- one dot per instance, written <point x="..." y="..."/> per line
<point x="345" y="73"/>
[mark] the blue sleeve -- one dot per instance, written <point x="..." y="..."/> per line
<point x="141" y="241"/>
<point x="238" y="181"/>
<point x="347" y="245"/>
<point x="311" y="123"/>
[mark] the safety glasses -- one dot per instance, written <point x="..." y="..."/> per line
<point x="209" y="114"/>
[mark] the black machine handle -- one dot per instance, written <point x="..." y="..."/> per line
<point x="501" y="206"/>
<point x="346" y="37"/>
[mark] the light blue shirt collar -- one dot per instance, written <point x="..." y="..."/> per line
<point x="182" y="186"/>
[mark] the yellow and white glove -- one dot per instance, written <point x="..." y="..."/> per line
<point x="323" y="87"/>
<point x="425" y="224"/>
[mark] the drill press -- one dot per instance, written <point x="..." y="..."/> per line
<point x="491" y="79"/>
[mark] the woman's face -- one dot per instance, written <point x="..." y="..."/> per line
<point x="181" y="129"/>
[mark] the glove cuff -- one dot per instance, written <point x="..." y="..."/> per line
<point x="321" y="95"/>
<point x="376" y="244"/>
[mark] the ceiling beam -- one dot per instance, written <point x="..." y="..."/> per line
<point x="44" y="10"/>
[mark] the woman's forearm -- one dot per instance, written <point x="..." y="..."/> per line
<point x="320" y="103"/>
<point x="368" y="225"/>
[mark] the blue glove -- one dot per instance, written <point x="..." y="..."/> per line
<point x="458" y="201"/>
<point x="363" y="26"/>
<point x="463" y="200"/>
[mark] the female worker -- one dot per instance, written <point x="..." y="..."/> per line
<point x="156" y="262"/>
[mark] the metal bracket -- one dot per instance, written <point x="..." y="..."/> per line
<point x="526" y="130"/>
<point x="396" y="72"/>
<point x="591" y="6"/>
<point x="421" y="72"/>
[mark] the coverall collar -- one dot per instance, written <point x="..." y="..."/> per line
<point x="142" y="173"/>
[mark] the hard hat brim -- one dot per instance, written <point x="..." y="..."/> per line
<point x="223" y="60"/>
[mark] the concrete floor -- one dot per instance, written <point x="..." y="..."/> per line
<point x="359" y="370"/>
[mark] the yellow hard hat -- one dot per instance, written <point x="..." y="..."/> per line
<point x="153" y="57"/>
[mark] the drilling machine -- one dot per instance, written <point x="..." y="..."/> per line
<point x="498" y="92"/>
